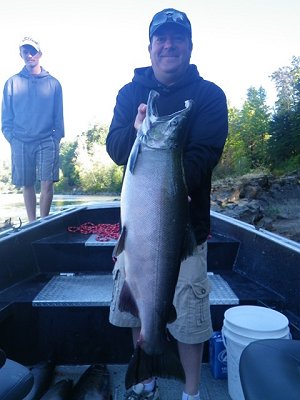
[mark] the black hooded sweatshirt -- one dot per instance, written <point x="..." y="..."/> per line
<point x="204" y="136"/>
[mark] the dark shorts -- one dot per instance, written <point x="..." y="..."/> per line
<point x="191" y="300"/>
<point x="35" y="160"/>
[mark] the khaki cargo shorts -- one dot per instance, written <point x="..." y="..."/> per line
<point x="191" y="300"/>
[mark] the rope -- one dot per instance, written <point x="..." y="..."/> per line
<point x="104" y="232"/>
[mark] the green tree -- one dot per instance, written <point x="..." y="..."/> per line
<point x="254" y="127"/>
<point x="234" y="158"/>
<point x="286" y="81"/>
<point x="69" y="175"/>
<point x="95" y="134"/>
<point x="97" y="173"/>
<point x="284" y="144"/>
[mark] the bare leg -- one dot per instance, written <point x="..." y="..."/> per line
<point x="191" y="360"/>
<point x="46" y="197"/>
<point x="30" y="202"/>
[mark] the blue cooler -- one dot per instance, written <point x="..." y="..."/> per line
<point x="217" y="356"/>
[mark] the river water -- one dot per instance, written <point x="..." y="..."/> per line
<point x="12" y="205"/>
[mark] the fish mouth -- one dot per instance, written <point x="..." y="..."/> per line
<point x="162" y="131"/>
<point x="152" y="111"/>
<point x="152" y="106"/>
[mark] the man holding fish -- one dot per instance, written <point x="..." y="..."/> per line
<point x="167" y="114"/>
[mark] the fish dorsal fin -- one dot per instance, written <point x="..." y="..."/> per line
<point x="119" y="247"/>
<point x="127" y="302"/>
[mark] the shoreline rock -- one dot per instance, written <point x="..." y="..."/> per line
<point x="262" y="200"/>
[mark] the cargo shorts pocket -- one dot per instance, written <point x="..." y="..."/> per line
<point x="200" y="302"/>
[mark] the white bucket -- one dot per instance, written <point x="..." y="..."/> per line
<point x="243" y="325"/>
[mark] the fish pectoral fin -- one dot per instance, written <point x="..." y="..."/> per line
<point x="134" y="157"/>
<point x="143" y="366"/>
<point x="119" y="247"/>
<point x="189" y="243"/>
<point x="127" y="301"/>
<point x="172" y="315"/>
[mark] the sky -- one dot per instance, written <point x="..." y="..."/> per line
<point x="93" y="46"/>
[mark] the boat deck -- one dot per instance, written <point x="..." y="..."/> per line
<point x="210" y="388"/>
<point x="56" y="286"/>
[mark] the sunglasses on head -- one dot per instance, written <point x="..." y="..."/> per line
<point x="169" y="16"/>
<point x="30" y="49"/>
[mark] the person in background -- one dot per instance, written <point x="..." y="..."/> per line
<point x="176" y="80"/>
<point x="33" y="124"/>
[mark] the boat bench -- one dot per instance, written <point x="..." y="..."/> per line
<point x="71" y="293"/>
<point x="77" y="252"/>
<point x="71" y="290"/>
<point x="80" y="290"/>
<point x="71" y="273"/>
<point x="56" y="307"/>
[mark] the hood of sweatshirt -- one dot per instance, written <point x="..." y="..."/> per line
<point x="26" y="74"/>
<point x="145" y="76"/>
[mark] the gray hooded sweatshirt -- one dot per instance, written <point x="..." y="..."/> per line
<point x="32" y="107"/>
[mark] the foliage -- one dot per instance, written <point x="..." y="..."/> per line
<point x="246" y="146"/>
<point x="5" y="178"/>
<point x="257" y="140"/>
<point x="68" y="158"/>
<point x="97" y="173"/>
<point x="254" y="127"/>
<point x="234" y="159"/>
<point x="96" y="134"/>
<point x="86" y="167"/>
<point x="286" y="80"/>
<point x="284" y="143"/>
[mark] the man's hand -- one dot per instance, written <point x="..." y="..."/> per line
<point x="141" y="114"/>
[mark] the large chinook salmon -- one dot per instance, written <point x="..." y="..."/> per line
<point x="155" y="238"/>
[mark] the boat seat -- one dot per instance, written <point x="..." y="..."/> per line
<point x="16" y="380"/>
<point x="270" y="369"/>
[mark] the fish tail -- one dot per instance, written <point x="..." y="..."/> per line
<point x="143" y="366"/>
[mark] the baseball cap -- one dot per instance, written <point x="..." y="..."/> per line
<point x="30" y="42"/>
<point x="170" y="16"/>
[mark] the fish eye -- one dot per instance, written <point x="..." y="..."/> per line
<point x="174" y="122"/>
